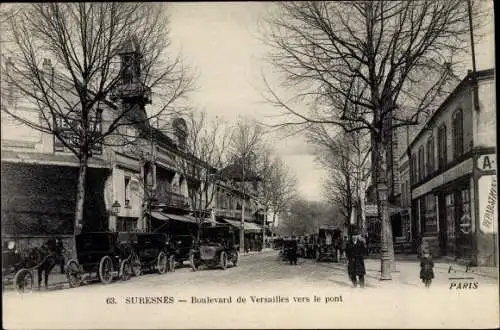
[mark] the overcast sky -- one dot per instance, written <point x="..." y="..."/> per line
<point x="220" y="39"/>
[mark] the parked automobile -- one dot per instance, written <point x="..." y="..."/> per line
<point x="103" y="254"/>
<point x="151" y="252"/>
<point x="181" y="246"/>
<point x="217" y="248"/>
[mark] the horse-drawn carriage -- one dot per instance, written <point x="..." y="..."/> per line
<point x="289" y="251"/>
<point x="18" y="267"/>
<point x="101" y="253"/>
<point x="216" y="248"/>
<point x="151" y="252"/>
<point x="328" y="244"/>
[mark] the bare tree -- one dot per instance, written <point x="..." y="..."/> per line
<point x="247" y="140"/>
<point x="345" y="156"/>
<point x="85" y="45"/>
<point x="204" y="153"/>
<point x="366" y="65"/>
<point x="278" y="185"/>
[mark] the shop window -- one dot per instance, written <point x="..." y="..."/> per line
<point x="463" y="223"/>
<point x="430" y="219"/>
<point x="430" y="156"/>
<point x="126" y="224"/>
<point x="458" y="134"/>
<point x="421" y="167"/>
<point x="442" y="150"/>
<point x="464" y="212"/>
<point x="450" y="217"/>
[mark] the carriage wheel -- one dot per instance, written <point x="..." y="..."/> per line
<point x="135" y="264"/>
<point x="106" y="270"/>
<point x="192" y="261"/>
<point x="171" y="263"/>
<point x="223" y="260"/>
<point x="73" y="274"/>
<point x="125" y="270"/>
<point x="236" y="258"/>
<point x="23" y="281"/>
<point x="162" y="263"/>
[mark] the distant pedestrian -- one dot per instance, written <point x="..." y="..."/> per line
<point x="426" y="268"/>
<point x="356" y="250"/>
<point x="343" y="248"/>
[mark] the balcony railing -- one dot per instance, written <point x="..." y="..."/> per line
<point x="172" y="199"/>
<point x="131" y="90"/>
<point x="234" y="214"/>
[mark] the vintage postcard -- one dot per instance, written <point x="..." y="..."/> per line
<point x="249" y="165"/>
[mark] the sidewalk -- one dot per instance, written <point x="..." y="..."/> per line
<point x="408" y="273"/>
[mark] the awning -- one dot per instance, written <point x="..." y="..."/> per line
<point x="248" y="226"/>
<point x="193" y="219"/>
<point x="168" y="216"/>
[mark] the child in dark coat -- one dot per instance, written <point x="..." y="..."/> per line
<point x="426" y="268"/>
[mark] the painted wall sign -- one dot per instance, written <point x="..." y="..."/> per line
<point x="488" y="208"/>
<point x="453" y="173"/>
<point x="487" y="162"/>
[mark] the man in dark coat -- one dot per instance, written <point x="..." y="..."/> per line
<point x="356" y="250"/>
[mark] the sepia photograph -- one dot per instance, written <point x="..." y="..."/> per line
<point x="249" y="165"/>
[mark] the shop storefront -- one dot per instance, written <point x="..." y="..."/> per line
<point x="456" y="212"/>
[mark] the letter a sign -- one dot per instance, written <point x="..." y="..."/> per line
<point x="487" y="162"/>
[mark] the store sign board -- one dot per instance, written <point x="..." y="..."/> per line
<point x="487" y="162"/>
<point x="488" y="208"/>
<point x="453" y="173"/>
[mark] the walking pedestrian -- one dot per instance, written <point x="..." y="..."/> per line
<point x="426" y="268"/>
<point x="356" y="250"/>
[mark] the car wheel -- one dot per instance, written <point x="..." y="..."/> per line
<point x="23" y="281"/>
<point x="73" y="274"/>
<point x="162" y="263"/>
<point x="223" y="260"/>
<point x="135" y="265"/>
<point x="106" y="270"/>
<point x="125" y="270"/>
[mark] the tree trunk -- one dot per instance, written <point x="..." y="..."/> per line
<point x="264" y="230"/>
<point x="80" y="199"/>
<point x="362" y="209"/>
<point x="80" y="194"/>
<point x="382" y="203"/>
<point x="242" y="227"/>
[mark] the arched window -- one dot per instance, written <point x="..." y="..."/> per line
<point x="442" y="149"/>
<point x="430" y="156"/>
<point x="457" y="134"/>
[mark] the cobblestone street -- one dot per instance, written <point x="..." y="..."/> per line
<point x="258" y="275"/>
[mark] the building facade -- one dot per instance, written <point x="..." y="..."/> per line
<point x="133" y="187"/>
<point x="453" y="175"/>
